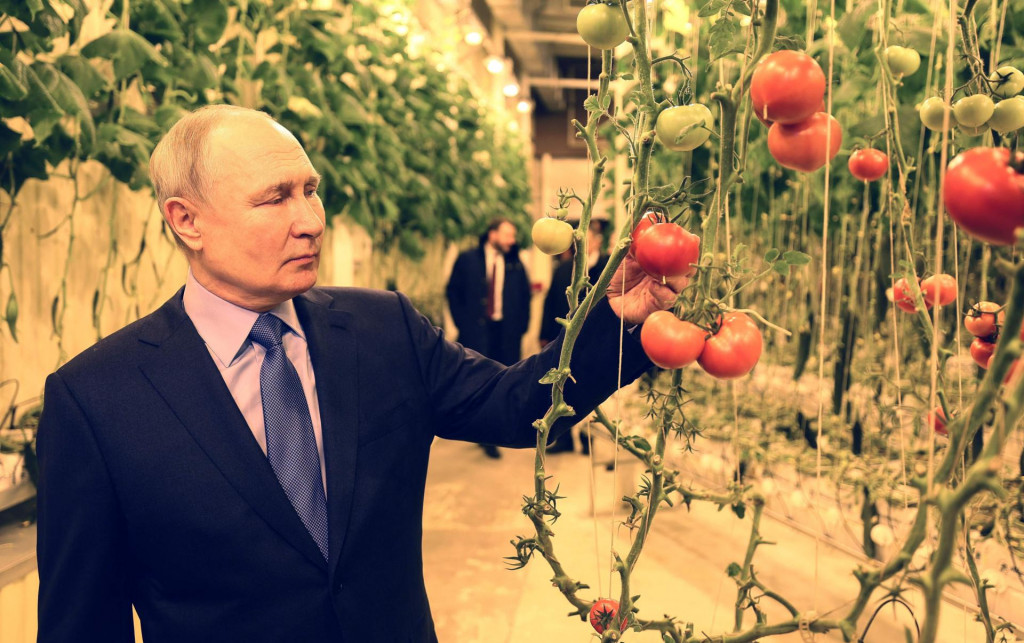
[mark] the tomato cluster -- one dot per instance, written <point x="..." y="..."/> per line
<point x="984" y="320"/>
<point x="938" y="289"/>
<point x="1002" y="110"/>
<point x="729" y="352"/>
<point x="787" y="90"/>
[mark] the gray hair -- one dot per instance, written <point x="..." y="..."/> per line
<point x="179" y="164"/>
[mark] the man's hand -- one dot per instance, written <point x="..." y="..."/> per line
<point x="643" y="293"/>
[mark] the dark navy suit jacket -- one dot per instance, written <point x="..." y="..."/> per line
<point x="154" y="493"/>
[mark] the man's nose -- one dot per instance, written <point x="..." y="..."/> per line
<point x="308" y="220"/>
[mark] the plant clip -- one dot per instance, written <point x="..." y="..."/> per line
<point x="804" y="626"/>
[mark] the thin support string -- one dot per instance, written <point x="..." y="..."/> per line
<point x="824" y="279"/>
<point x="593" y="482"/>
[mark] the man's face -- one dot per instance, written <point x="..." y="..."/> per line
<point x="503" y="237"/>
<point x="263" y="223"/>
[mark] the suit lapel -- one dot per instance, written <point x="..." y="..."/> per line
<point x="183" y="371"/>
<point x="334" y="353"/>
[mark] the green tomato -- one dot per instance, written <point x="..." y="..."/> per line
<point x="973" y="111"/>
<point x="1006" y="81"/>
<point x="602" y="25"/>
<point x="1008" y="115"/>
<point x="901" y="60"/>
<point x="551" y="236"/>
<point x="684" y="128"/>
<point x="933" y="113"/>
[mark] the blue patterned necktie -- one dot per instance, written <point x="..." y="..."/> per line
<point x="291" y="445"/>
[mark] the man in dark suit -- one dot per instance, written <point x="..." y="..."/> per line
<point x="489" y="294"/>
<point x="247" y="463"/>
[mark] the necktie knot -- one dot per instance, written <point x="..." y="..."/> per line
<point x="267" y="331"/>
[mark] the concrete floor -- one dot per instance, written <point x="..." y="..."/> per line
<point x="473" y="510"/>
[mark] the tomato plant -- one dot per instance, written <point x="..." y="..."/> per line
<point x="973" y="111"/>
<point x="787" y="87"/>
<point x="869" y="164"/>
<point x="685" y="127"/>
<point x="902" y="61"/>
<point x="1008" y="115"/>
<point x="903" y="297"/>
<point x="671" y="342"/>
<point x="984" y="195"/>
<point x="802" y="146"/>
<point x="1006" y="81"/>
<point x="603" y="613"/>
<point x="551" y="236"/>
<point x="602" y="25"/>
<point x="734" y="349"/>
<point x="980" y="320"/>
<point x="933" y="114"/>
<point x="667" y="250"/>
<point x="939" y="289"/>
<point x="981" y="351"/>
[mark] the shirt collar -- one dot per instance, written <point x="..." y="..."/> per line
<point x="224" y="326"/>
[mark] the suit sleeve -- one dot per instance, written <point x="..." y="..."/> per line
<point x="81" y="548"/>
<point x="480" y="400"/>
<point x="456" y="292"/>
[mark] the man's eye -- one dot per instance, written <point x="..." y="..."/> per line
<point x="275" y="201"/>
<point x="310" y="192"/>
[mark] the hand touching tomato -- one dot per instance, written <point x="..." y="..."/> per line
<point x="667" y="250"/>
<point x="671" y="342"/>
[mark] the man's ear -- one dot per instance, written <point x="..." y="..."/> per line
<point x="181" y="215"/>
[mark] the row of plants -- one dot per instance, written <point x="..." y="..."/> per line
<point x="853" y="271"/>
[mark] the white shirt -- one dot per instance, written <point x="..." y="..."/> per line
<point x="495" y="262"/>
<point x="225" y="329"/>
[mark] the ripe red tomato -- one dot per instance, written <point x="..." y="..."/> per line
<point x="667" y="250"/>
<point x="734" y="350"/>
<point x="981" y="351"/>
<point x="903" y="297"/>
<point x="984" y="195"/>
<point x="980" y="320"/>
<point x="939" y="289"/>
<point x="648" y="219"/>
<point x="603" y="613"/>
<point x="937" y="420"/>
<point x="787" y="87"/>
<point x="801" y="146"/>
<point x="869" y="164"/>
<point x="671" y="342"/>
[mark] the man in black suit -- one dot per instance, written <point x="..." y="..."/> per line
<point x="489" y="294"/>
<point x="247" y="463"/>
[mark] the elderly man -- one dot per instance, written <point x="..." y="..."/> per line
<point x="247" y="463"/>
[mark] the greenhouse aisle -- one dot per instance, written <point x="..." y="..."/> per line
<point x="472" y="511"/>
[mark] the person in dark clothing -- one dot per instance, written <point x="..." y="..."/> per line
<point x="489" y="297"/>
<point x="556" y="305"/>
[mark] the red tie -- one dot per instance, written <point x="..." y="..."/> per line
<point x="491" y="283"/>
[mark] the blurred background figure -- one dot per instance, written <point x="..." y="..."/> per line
<point x="489" y="297"/>
<point x="556" y="304"/>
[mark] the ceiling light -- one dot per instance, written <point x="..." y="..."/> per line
<point x="474" y="37"/>
<point x="524" y="106"/>
<point x="511" y="89"/>
<point x="495" y="65"/>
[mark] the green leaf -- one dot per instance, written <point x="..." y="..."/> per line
<point x="723" y="38"/>
<point x="10" y="87"/>
<point x="734" y="570"/>
<point x="12" y="315"/>
<point x="771" y="255"/>
<point x="782" y="268"/>
<point x="712" y="7"/>
<point x="81" y="71"/>
<point x="554" y="376"/>
<point x="129" y="52"/>
<point x="591" y="104"/>
<point x="739" y="509"/>
<point x="70" y="98"/>
<point x="34" y="7"/>
<point x="795" y="258"/>
<point x="209" y="19"/>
